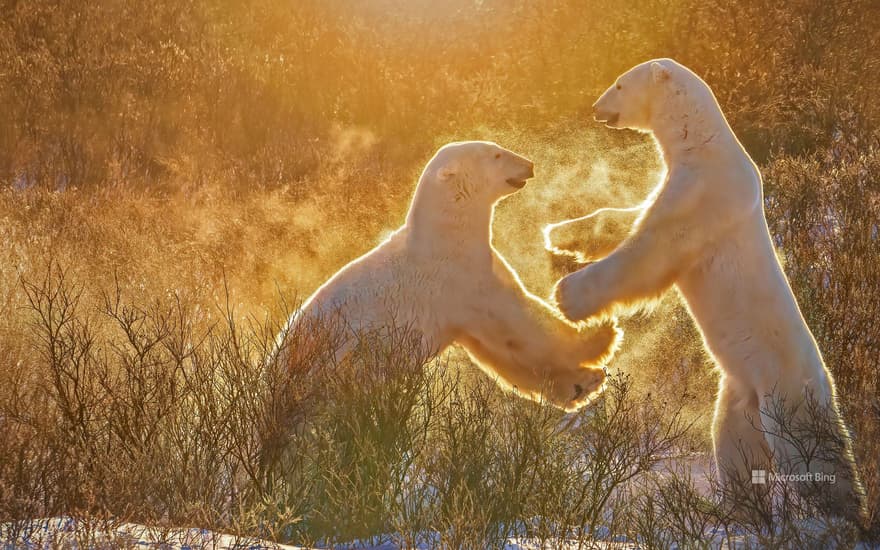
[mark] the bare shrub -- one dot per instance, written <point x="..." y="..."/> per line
<point x="131" y="413"/>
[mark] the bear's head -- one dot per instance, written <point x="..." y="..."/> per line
<point x="475" y="172"/>
<point x="652" y="94"/>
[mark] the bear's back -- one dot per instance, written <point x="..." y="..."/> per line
<point x="384" y="288"/>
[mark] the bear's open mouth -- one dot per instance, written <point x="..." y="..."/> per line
<point x="519" y="184"/>
<point x="610" y="119"/>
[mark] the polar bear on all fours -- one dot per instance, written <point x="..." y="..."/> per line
<point x="703" y="229"/>
<point x="440" y="276"/>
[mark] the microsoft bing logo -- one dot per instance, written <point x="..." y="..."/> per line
<point x="761" y="477"/>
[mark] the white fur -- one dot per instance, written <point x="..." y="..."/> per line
<point x="439" y="275"/>
<point x="704" y="231"/>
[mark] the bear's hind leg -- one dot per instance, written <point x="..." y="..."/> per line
<point x="742" y="455"/>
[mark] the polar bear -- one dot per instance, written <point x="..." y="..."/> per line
<point x="703" y="230"/>
<point x="440" y="276"/>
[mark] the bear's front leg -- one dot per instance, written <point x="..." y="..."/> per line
<point x="584" y="293"/>
<point x="593" y="236"/>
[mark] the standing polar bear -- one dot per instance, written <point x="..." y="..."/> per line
<point x="440" y="276"/>
<point x="703" y="230"/>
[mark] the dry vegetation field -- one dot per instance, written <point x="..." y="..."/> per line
<point x="175" y="175"/>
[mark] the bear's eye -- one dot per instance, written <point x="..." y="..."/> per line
<point x="618" y="86"/>
<point x="497" y="155"/>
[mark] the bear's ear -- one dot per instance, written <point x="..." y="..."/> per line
<point x="447" y="171"/>
<point x="658" y="72"/>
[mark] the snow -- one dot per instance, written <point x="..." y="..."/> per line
<point x="66" y="532"/>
